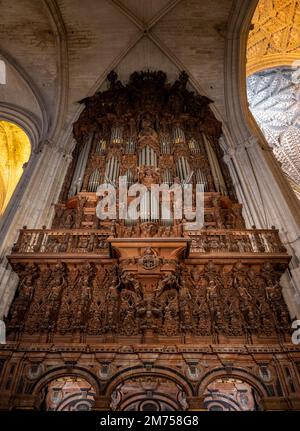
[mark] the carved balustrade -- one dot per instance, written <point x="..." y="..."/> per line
<point x="238" y="241"/>
<point x="95" y="240"/>
<point x="61" y="241"/>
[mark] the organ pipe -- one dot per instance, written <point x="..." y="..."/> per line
<point x="215" y="167"/>
<point x="80" y="168"/>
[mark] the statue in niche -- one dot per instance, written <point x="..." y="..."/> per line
<point x="148" y="175"/>
<point x="170" y="314"/>
<point x="212" y="298"/>
<point x="148" y="229"/>
<point x="169" y="281"/>
<point x="185" y="305"/>
<point x="129" y="283"/>
<point x="212" y="293"/>
<point x="127" y="322"/>
<point x="112" y="300"/>
<point x="56" y="283"/>
<point x="65" y="316"/>
<point x="211" y="272"/>
<point x="241" y="284"/>
<point x="218" y="213"/>
<point x="69" y="220"/>
<point x="28" y="277"/>
<point x="176" y="99"/>
<point x="147" y="130"/>
<point x="274" y="296"/>
<point x="115" y="84"/>
<point x="96" y="317"/>
<point x="84" y="286"/>
<point x="235" y="326"/>
<point x="25" y="300"/>
<point x="149" y="314"/>
<point x="37" y="308"/>
<point x="202" y="315"/>
<point x="54" y="290"/>
<point x="237" y="216"/>
<point x="266" y="325"/>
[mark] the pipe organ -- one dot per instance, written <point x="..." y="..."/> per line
<point x="147" y="157"/>
<point x="112" y="170"/>
<point x="164" y="140"/>
<point x="94" y="292"/>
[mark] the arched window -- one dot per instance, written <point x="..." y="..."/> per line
<point x="15" y="152"/>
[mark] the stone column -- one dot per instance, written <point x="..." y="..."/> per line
<point x="265" y="204"/>
<point x="35" y="209"/>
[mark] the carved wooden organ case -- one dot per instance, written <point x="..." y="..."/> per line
<point x="148" y="280"/>
<point x="106" y="297"/>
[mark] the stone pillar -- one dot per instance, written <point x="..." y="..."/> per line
<point x="266" y="203"/>
<point x="35" y="209"/>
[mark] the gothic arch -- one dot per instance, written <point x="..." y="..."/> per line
<point x="135" y="372"/>
<point x="57" y="373"/>
<point x="24" y="120"/>
<point x="30" y="127"/>
<point x="30" y="85"/>
<point x="237" y="373"/>
<point x="262" y="187"/>
<point x="273" y="40"/>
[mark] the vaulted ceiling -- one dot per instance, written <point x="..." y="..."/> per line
<point x="60" y="51"/>
<point x="274" y="39"/>
<point x="273" y="53"/>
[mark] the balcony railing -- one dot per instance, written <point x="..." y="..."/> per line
<point x="61" y="241"/>
<point x="236" y="241"/>
<point x="94" y="241"/>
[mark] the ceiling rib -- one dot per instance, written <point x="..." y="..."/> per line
<point x="129" y="14"/>
<point x="164" y="11"/>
